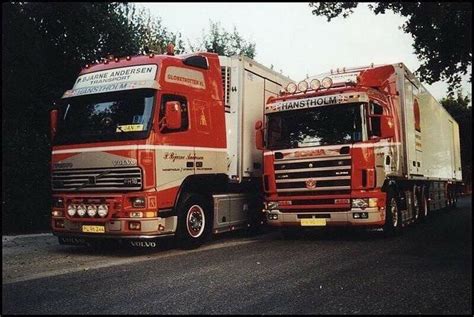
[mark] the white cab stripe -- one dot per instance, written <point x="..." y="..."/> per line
<point x="139" y="147"/>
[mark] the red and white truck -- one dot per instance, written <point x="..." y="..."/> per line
<point x="366" y="147"/>
<point x="159" y="145"/>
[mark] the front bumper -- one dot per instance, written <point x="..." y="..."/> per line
<point x="375" y="217"/>
<point x="117" y="228"/>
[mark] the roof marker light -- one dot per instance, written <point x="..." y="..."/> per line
<point x="326" y="82"/>
<point x="291" y="88"/>
<point x="116" y="59"/>
<point x="128" y="58"/>
<point x="315" y="84"/>
<point x="151" y="55"/>
<point x="303" y="86"/>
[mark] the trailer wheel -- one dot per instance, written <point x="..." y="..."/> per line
<point x="194" y="221"/>
<point x="393" y="219"/>
<point x="424" y="205"/>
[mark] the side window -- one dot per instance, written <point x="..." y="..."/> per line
<point x="375" y="112"/>
<point x="184" y="112"/>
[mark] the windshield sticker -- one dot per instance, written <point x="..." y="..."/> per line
<point x="116" y="76"/>
<point x="315" y="102"/>
<point x="130" y="128"/>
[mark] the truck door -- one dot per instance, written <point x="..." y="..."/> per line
<point x="175" y="154"/>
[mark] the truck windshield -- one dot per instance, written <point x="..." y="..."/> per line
<point x="326" y="125"/>
<point x="105" y="117"/>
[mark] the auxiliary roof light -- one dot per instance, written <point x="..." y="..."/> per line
<point x="303" y="86"/>
<point x="291" y="88"/>
<point x="326" y="82"/>
<point x="315" y="84"/>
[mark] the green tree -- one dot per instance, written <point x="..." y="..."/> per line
<point x="44" y="46"/>
<point x="442" y="33"/>
<point x="222" y="42"/>
<point x="458" y="107"/>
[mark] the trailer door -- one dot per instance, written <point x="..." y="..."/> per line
<point x="413" y="129"/>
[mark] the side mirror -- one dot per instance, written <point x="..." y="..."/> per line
<point x="387" y="127"/>
<point x="53" y="124"/>
<point x="259" y="135"/>
<point x="172" y="115"/>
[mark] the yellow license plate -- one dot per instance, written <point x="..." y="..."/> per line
<point x="313" y="222"/>
<point x="93" y="229"/>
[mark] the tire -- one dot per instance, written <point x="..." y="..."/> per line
<point x="194" y="221"/>
<point x="393" y="219"/>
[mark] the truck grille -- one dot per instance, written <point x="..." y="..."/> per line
<point x="97" y="179"/>
<point x="314" y="184"/>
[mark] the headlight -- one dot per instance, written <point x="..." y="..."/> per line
<point x="81" y="210"/>
<point x="103" y="210"/>
<point x="71" y="210"/>
<point x="360" y="203"/>
<point x="138" y="202"/>
<point x="91" y="210"/>
<point x="272" y="205"/>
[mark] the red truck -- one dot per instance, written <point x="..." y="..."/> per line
<point x="365" y="147"/>
<point x="159" y="145"/>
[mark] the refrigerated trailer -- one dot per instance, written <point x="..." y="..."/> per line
<point x="367" y="147"/>
<point x="159" y="145"/>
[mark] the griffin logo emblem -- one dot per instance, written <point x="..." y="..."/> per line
<point x="311" y="183"/>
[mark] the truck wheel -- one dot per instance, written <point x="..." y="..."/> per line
<point x="393" y="217"/>
<point x="424" y="205"/>
<point x="194" y="221"/>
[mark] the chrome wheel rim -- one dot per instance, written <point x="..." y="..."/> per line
<point x="195" y="221"/>
<point x="394" y="211"/>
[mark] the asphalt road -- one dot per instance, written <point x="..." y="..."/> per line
<point x="426" y="270"/>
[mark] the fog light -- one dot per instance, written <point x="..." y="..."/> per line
<point x="81" y="210"/>
<point x="103" y="210"/>
<point x="71" y="210"/>
<point x="57" y="213"/>
<point x="91" y="210"/>
<point x="161" y="228"/>
<point x="272" y="216"/>
<point x="136" y="214"/>
<point x="356" y="215"/>
<point x="59" y="223"/>
<point x="134" y="225"/>
<point x="138" y="202"/>
<point x="364" y="215"/>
